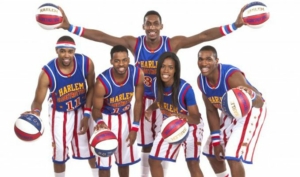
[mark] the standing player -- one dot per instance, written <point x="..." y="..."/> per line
<point x="231" y="139"/>
<point x="174" y="96"/>
<point x="70" y="104"/>
<point x="146" y="50"/>
<point x="113" y="92"/>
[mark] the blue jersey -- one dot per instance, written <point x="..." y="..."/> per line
<point x="215" y="93"/>
<point x="147" y="59"/>
<point x="186" y="97"/>
<point x="118" y="96"/>
<point x="68" y="92"/>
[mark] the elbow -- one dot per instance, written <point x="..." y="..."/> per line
<point x="194" y="119"/>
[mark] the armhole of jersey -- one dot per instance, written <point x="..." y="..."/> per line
<point x="182" y="96"/>
<point x="234" y="70"/>
<point x="137" y="50"/>
<point x="52" y="85"/>
<point x="199" y="84"/>
<point x="105" y="83"/>
<point x="87" y="67"/>
<point x="168" y="44"/>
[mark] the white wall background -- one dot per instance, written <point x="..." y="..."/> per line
<point x="269" y="57"/>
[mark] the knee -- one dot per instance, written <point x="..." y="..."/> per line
<point x="192" y="164"/>
<point x="154" y="162"/>
<point x="218" y="166"/>
<point x="146" y="149"/>
<point x="234" y="163"/>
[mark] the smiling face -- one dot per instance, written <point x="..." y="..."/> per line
<point x="65" y="55"/>
<point x="167" y="72"/>
<point x="120" y="62"/>
<point x="152" y="26"/>
<point x="207" y="62"/>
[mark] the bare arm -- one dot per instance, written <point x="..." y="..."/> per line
<point x="152" y="107"/>
<point x="90" y="82"/>
<point x="194" y="115"/>
<point x="179" y="42"/>
<point x="40" y="92"/>
<point x="98" y="98"/>
<point x="237" y="79"/>
<point x="212" y="115"/>
<point x="99" y="36"/>
<point x="139" y="92"/>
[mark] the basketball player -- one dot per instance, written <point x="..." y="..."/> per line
<point x="233" y="140"/>
<point x="174" y="96"/>
<point x="70" y="102"/>
<point x="113" y="92"/>
<point x="146" y="49"/>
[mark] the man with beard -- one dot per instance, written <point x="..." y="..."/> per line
<point x="113" y="92"/>
<point x="70" y="103"/>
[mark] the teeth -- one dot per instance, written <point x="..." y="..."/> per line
<point x="204" y="69"/>
<point x="165" y="76"/>
<point x="121" y="69"/>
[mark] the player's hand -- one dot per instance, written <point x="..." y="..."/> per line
<point x="131" y="138"/>
<point x="248" y="90"/>
<point x="65" y="24"/>
<point x="31" y="112"/>
<point x="101" y="125"/>
<point x="148" y="115"/>
<point x="239" y="21"/>
<point x="219" y="152"/>
<point x="84" y="125"/>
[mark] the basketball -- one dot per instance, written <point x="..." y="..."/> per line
<point x="29" y="127"/>
<point x="48" y="16"/>
<point x="103" y="143"/>
<point x="256" y="14"/>
<point x="236" y="103"/>
<point x="174" y="130"/>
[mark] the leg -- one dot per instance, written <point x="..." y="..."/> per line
<point x="80" y="143"/>
<point x="92" y="163"/>
<point x="104" y="173"/>
<point x="219" y="167"/>
<point x="156" y="168"/>
<point x="123" y="171"/>
<point x="194" y="168"/>
<point x="62" y="126"/>
<point x="146" y="135"/>
<point x="236" y="168"/>
<point x="59" y="168"/>
<point x="192" y="149"/>
<point x="145" y="167"/>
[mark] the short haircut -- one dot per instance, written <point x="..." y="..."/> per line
<point x="118" y="48"/>
<point x="209" y="48"/>
<point x="152" y="12"/>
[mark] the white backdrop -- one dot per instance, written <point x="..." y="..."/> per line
<point x="268" y="56"/>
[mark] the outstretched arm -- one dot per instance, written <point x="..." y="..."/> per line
<point x="98" y="36"/>
<point x="40" y="93"/>
<point x="179" y="42"/>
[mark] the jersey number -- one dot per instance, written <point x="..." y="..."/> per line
<point x="116" y="110"/>
<point x="71" y="106"/>
<point x="148" y="81"/>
